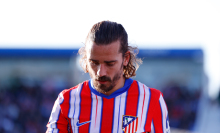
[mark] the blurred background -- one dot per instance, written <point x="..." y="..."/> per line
<point x="178" y="42"/>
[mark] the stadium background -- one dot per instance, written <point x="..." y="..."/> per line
<point x="178" y="41"/>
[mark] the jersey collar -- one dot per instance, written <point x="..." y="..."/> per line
<point x="126" y="86"/>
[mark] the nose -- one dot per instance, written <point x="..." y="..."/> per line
<point x="101" y="70"/>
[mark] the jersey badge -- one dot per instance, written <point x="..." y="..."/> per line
<point x="129" y="123"/>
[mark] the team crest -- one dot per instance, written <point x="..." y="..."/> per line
<point x="129" y="123"/>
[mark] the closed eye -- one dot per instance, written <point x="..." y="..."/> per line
<point x="110" y="64"/>
<point x="93" y="62"/>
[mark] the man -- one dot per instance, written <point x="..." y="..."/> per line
<point x="111" y="102"/>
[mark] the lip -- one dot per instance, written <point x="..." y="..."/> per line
<point x="102" y="82"/>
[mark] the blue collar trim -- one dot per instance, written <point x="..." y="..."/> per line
<point x="126" y="86"/>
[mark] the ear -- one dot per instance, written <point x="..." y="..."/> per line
<point x="127" y="57"/>
<point x="86" y="69"/>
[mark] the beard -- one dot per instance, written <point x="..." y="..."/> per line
<point x="111" y="83"/>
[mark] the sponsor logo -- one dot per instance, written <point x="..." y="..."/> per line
<point x="83" y="123"/>
<point x="129" y="123"/>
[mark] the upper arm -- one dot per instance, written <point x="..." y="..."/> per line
<point x="160" y="122"/>
<point x="57" y="122"/>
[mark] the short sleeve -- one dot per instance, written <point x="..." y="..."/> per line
<point x="160" y="122"/>
<point x="57" y="121"/>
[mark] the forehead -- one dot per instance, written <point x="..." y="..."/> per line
<point x="103" y="51"/>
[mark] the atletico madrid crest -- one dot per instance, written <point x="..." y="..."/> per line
<point x="129" y="123"/>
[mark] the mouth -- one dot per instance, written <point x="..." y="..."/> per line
<point x="102" y="82"/>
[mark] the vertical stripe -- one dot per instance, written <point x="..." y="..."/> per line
<point x="65" y="110"/>
<point x="138" y="98"/>
<point x="73" y="103"/>
<point x="107" y="115"/>
<point x="154" y="112"/>
<point x="69" y="102"/>
<point x="96" y="113"/>
<point x="140" y="105"/>
<point x="149" y="97"/>
<point x="132" y="100"/>
<point x="91" y="112"/>
<point x="66" y="103"/>
<point x="77" y="108"/>
<point x="122" y="111"/>
<point x="126" y="129"/>
<point x="57" y="118"/>
<point x="136" y="125"/>
<point x="162" y="117"/>
<point x="131" y="127"/>
<point x="85" y="108"/>
<point x="74" y="110"/>
<point x="100" y="125"/>
<point x="143" y="106"/>
<point x="125" y="105"/>
<point x="99" y="113"/>
<point x="164" y="114"/>
<point x="152" y="127"/>
<point x="96" y="109"/>
<point x="113" y="115"/>
<point x="117" y="113"/>
<point x="71" y="108"/>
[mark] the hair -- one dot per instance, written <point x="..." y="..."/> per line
<point x="106" y="32"/>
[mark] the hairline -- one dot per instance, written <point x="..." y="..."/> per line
<point x="90" y="42"/>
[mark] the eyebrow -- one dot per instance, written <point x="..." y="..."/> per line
<point x="104" y="61"/>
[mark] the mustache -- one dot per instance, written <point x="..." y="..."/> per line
<point x="103" y="78"/>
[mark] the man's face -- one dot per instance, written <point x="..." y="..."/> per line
<point x="105" y="66"/>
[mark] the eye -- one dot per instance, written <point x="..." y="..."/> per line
<point x="94" y="62"/>
<point x="110" y="64"/>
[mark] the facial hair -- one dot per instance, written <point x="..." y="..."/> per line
<point x="102" y="88"/>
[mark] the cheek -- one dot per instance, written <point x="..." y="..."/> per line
<point x="92" y="69"/>
<point x="115" y="70"/>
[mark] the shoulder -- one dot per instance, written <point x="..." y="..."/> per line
<point x="154" y="93"/>
<point x="67" y="92"/>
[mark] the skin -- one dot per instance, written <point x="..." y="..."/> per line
<point x="105" y="66"/>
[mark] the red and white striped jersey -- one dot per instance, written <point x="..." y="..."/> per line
<point x="135" y="108"/>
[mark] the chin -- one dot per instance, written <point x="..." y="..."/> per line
<point x="103" y="88"/>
